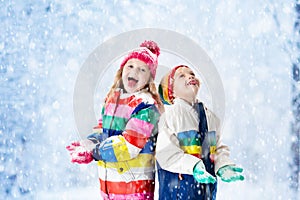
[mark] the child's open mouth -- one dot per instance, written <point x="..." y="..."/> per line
<point x="132" y="82"/>
<point x="193" y="82"/>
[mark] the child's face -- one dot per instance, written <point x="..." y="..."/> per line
<point x="186" y="85"/>
<point x="135" y="75"/>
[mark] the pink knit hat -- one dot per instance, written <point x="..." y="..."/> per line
<point x="148" y="53"/>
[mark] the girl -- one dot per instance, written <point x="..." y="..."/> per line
<point x="124" y="141"/>
<point x="189" y="151"/>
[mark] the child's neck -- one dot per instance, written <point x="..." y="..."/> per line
<point x="124" y="92"/>
<point x="189" y="101"/>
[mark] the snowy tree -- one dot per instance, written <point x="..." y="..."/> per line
<point x="296" y="107"/>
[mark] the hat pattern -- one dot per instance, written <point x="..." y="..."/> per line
<point x="165" y="88"/>
<point x="148" y="53"/>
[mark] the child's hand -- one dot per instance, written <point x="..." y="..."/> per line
<point x="81" y="152"/>
<point x="201" y="175"/>
<point x="230" y="173"/>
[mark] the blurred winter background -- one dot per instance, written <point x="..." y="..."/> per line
<point x="43" y="44"/>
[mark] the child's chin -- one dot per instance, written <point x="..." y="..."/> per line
<point x="131" y="90"/>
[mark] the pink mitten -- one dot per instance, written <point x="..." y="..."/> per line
<point x="81" y="151"/>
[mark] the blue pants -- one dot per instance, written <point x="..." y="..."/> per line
<point x="172" y="188"/>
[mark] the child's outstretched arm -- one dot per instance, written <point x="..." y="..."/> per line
<point x="224" y="167"/>
<point x="81" y="152"/>
<point x="140" y="126"/>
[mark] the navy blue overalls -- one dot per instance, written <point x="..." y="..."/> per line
<point x="187" y="187"/>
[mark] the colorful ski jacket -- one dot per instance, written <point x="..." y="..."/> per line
<point x="126" y="145"/>
<point x="187" y="135"/>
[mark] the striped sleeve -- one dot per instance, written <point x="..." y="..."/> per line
<point x="141" y="124"/>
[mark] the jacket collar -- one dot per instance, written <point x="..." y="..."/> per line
<point x="184" y="102"/>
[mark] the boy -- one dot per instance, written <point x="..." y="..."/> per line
<point x="189" y="151"/>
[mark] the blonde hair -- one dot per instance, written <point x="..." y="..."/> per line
<point x="150" y="87"/>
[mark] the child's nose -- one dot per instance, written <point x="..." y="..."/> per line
<point x="135" y="70"/>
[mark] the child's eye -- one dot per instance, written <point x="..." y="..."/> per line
<point x="130" y="66"/>
<point x="181" y="76"/>
<point x="143" y="70"/>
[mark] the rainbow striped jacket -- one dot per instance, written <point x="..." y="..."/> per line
<point x="178" y="146"/>
<point x="126" y="145"/>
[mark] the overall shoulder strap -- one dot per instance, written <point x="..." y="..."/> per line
<point x="203" y="130"/>
<point x="202" y="118"/>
